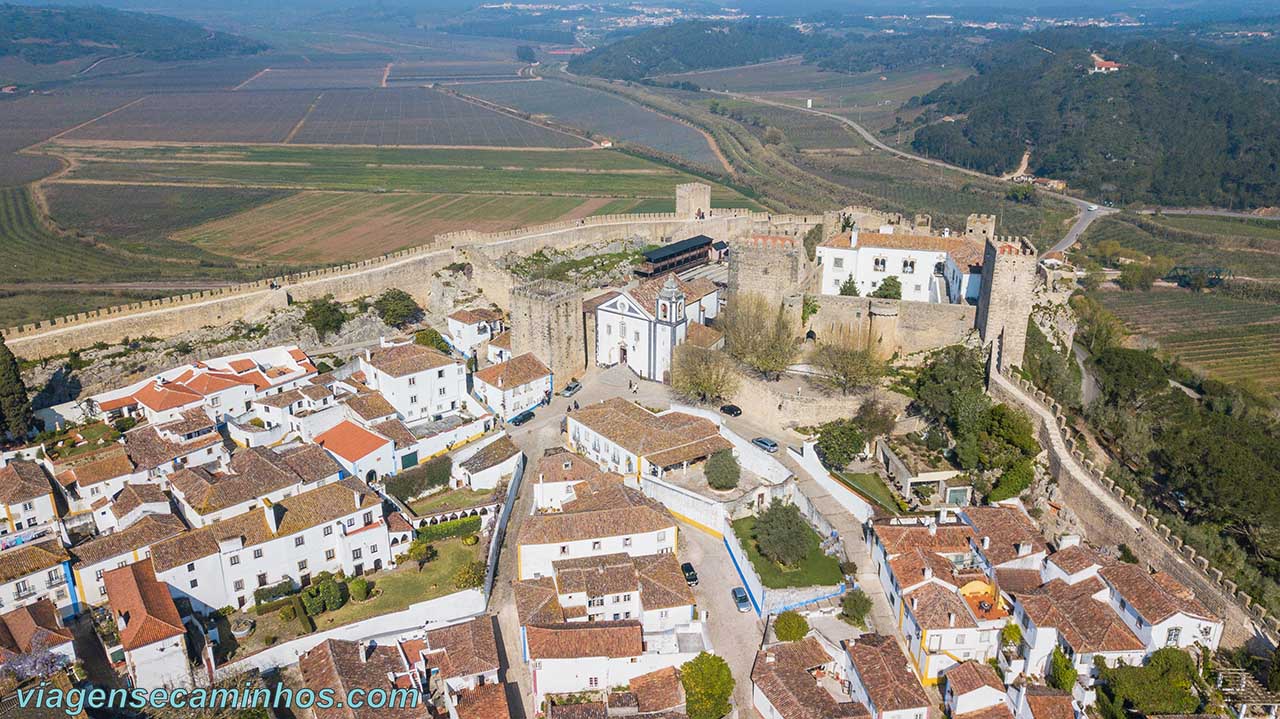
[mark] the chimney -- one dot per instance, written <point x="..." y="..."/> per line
<point x="933" y="529"/>
<point x="986" y="542"/>
<point x="366" y="650"/>
<point x="914" y="603"/>
<point x="944" y="516"/>
<point x="951" y="619"/>
<point x="359" y="497"/>
<point x="928" y="572"/>
<point x="272" y="515"/>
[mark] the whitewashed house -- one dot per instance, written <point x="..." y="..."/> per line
<point x="88" y="479"/>
<point x="611" y="587"/>
<point x="469" y="329"/>
<point x="96" y="557"/>
<point x="559" y="471"/>
<point x="35" y="569"/>
<point x="151" y="630"/>
<point x="974" y="691"/>
<point x="930" y="269"/>
<point x="422" y="383"/>
<point x="1160" y="610"/>
<point x="786" y="683"/>
<point x="880" y="677"/>
<point x="253" y="477"/>
<point x="621" y="436"/>
<point x="362" y="452"/>
<point x="33" y="628"/>
<point x="509" y="388"/>
<point x="484" y="467"/>
<point x="133" y="502"/>
<point x="26" y="496"/>
<point x="158" y="450"/>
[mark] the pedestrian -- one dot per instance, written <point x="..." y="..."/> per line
<point x="575" y="404"/>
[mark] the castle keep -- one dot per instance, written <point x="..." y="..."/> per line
<point x="546" y="319"/>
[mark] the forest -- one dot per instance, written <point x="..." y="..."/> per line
<point x="53" y="34"/>
<point x="1181" y="123"/>
<point x="687" y="46"/>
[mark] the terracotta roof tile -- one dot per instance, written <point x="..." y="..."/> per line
<point x="369" y="406"/>
<point x="672" y="437"/>
<point x="597" y="576"/>
<point x="1016" y="581"/>
<point x="662" y="583"/>
<point x="580" y="640"/>
<point x="501" y="341"/>
<point x="397" y="432"/>
<point x="971" y="676"/>
<point x="487" y="701"/>
<point x="342" y="666"/>
<point x="31" y="628"/>
<point x="1155" y="596"/>
<point x="158" y="397"/>
<point x="515" y="372"/>
<point x="21" y="481"/>
<point x="700" y="335"/>
<point x="148" y="450"/>
<point x="537" y="601"/>
<point x="146" y="532"/>
<point x="491" y="455"/>
<point x="572" y="526"/>
<point x="1075" y="559"/>
<point x="581" y="710"/>
<point x="475" y="316"/>
<point x="883" y="669"/>
<point x="134" y="593"/>
<point x="134" y="495"/>
<point x="658" y="690"/>
<point x="407" y="359"/>
<point x="995" y="711"/>
<point x="936" y="607"/>
<point x="782" y="673"/>
<point x="93" y="467"/>
<point x="472" y="647"/>
<point x="560" y="465"/>
<point x="1087" y="624"/>
<point x="965" y="252"/>
<point x="1049" y="703"/>
<point x="351" y="441"/>
<point x="1008" y="530"/>
<point x="945" y="539"/>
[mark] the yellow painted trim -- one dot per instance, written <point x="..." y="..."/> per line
<point x="953" y="657"/>
<point x="698" y="525"/>
<point x="9" y="518"/>
<point x="79" y="586"/>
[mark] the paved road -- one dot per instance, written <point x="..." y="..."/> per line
<point x="1084" y="218"/>
<point x="1207" y="211"/>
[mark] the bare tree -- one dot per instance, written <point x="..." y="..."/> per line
<point x="846" y="367"/>
<point x="702" y="374"/>
<point x="759" y="336"/>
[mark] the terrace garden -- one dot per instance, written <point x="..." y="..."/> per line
<point x="800" y="561"/>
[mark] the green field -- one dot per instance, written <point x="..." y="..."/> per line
<point x="1249" y="248"/>
<point x="871" y="487"/>
<point x="588" y="173"/>
<point x="1228" y="339"/>
<point x="804" y="130"/>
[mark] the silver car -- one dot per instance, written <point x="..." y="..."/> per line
<point x="741" y="599"/>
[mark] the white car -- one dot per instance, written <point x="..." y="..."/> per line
<point x="1093" y="208"/>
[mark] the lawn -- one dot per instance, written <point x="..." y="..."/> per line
<point x="82" y="439"/>
<point x="816" y="570"/>
<point x="872" y="487"/>
<point x="395" y="591"/>
<point x="447" y="500"/>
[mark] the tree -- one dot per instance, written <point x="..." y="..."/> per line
<point x="524" y="53"/>
<point x="15" y="405"/>
<point x="889" y="289"/>
<point x="722" y="470"/>
<point x="397" y="308"/>
<point x="790" y="627"/>
<point x="758" y="336"/>
<point x="1130" y="377"/>
<point x="782" y="535"/>
<point x="1062" y="673"/>
<point x="421" y="552"/>
<point x="773" y="136"/>
<point x="849" y="288"/>
<point x="875" y="419"/>
<point x="431" y="338"/>
<point x="325" y="316"/>
<point x="470" y="575"/>
<point x="359" y="589"/>
<point x="1011" y="634"/>
<point x="1022" y="194"/>
<point x="702" y="374"/>
<point x="708" y="684"/>
<point x="855" y="606"/>
<point x="1013" y="481"/>
<point x="839" y="441"/>
<point x="844" y="366"/>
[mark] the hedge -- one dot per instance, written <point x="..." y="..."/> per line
<point x="273" y="592"/>
<point x="266" y="608"/>
<point x="452" y="528"/>
<point x="411" y="484"/>
<point x="304" y="621"/>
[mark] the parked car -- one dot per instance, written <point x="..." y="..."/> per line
<point x="571" y="389"/>
<point x="766" y="444"/>
<point x="521" y="418"/>
<point x="741" y="599"/>
<point x="690" y="576"/>
<point x="1093" y="208"/>
<point x="732" y="410"/>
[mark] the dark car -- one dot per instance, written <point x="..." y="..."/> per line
<point x="732" y="410"/>
<point x="521" y="418"/>
<point x="690" y="575"/>
<point x="571" y="389"/>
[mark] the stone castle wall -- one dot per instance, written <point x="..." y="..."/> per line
<point x="892" y="326"/>
<point x="546" y="319"/>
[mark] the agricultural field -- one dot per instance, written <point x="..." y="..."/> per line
<point x="28" y="120"/>
<point x="145" y="223"/>
<point x="599" y="112"/>
<point x="329" y="227"/>
<point x="196" y="76"/>
<point x="804" y="130"/>
<point x="1228" y="339"/>
<point x="418" y="116"/>
<point x="422" y="72"/>
<point x="582" y="173"/>
<point x="204" y="117"/>
<point x="315" y="78"/>
<point x="24" y="306"/>
<point x="622" y="207"/>
<point x="1249" y="248"/>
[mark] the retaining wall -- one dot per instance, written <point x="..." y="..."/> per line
<point x="1111" y="516"/>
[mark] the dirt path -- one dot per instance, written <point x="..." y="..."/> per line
<point x="298" y="127"/>
<point x="1022" y="167"/>
<point x="255" y="76"/>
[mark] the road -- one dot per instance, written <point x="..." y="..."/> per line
<point x="1207" y="211"/>
<point x="1084" y="217"/>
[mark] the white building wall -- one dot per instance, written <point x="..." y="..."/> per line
<point x="507" y="402"/>
<point x="33" y="512"/>
<point x="568" y="676"/>
<point x="666" y="619"/>
<point x="161" y="664"/>
<point x="535" y="560"/>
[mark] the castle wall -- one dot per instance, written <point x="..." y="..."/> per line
<point x="916" y="327"/>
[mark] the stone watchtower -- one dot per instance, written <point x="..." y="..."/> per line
<point x="693" y="201"/>
<point x="1007" y="295"/>
<point x="772" y="266"/>
<point x="980" y="227"/>
<point x="546" y="319"/>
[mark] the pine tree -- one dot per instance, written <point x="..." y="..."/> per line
<point x="15" y="407"/>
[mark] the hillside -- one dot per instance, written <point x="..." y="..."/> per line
<point x="687" y="46"/>
<point x="1181" y="123"/>
<point x="52" y="34"/>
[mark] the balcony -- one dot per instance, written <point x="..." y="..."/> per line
<point x="24" y="593"/>
<point x="54" y="583"/>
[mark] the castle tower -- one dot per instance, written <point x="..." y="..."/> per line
<point x="546" y="319"/>
<point x="882" y="328"/>
<point x="772" y="266"/>
<point x="693" y="201"/>
<point x="981" y="227"/>
<point x="923" y="225"/>
<point x="1007" y="294"/>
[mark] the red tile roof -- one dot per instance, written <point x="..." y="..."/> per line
<point x="351" y="441"/>
<point x="971" y="676"/>
<point x="160" y="397"/>
<point x="883" y="669"/>
<point x="134" y="593"/>
<point x="781" y="673"/>
<point x="515" y="372"/>
<point x="1048" y="703"/>
<point x="583" y="640"/>
<point x="30" y="628"/>
<point x="1155" y="596"/>
<point x="487" y="701"/>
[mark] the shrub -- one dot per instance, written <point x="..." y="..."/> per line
<point x="839" y="442"/>
<point x="431" y="338"/>
<point x="1062" y="673"/>
<point x="325" y="316"/>
<point x="304" y="622"/>
<point x="274" y="606"/>
<point x="312" y="602"/>
<point x="1011" y="634"/>
<point x="790" y="627"/>
<point x="415" y="482"/>
<point x="334" y="594"/>
<point x="722" y="470"/>
<point x="469" y="575"/>
<point x="889" y="289"/>
<point x="1013" y="481"/>
<point x="471" y="540"/>
<point x="396" y="308"/>
<point x="1164" y="686"/>
<point x="708" y="684"/>
<point x="781" y="533"/>
<point x="855" y="606"/>
<point x="124" y="424"/>
<point x="359" y="588"/>
<point x="269" y="639"/>
<point x="288" y="612"/>
<point x="848" y="568"/>
<point x="452" y="528"/>
<point x="273" y="592"/>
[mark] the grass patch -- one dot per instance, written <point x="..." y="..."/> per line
<point x="872" y="487"/>
<point x="449" y="500"/>
<point x="816" y="570"/>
